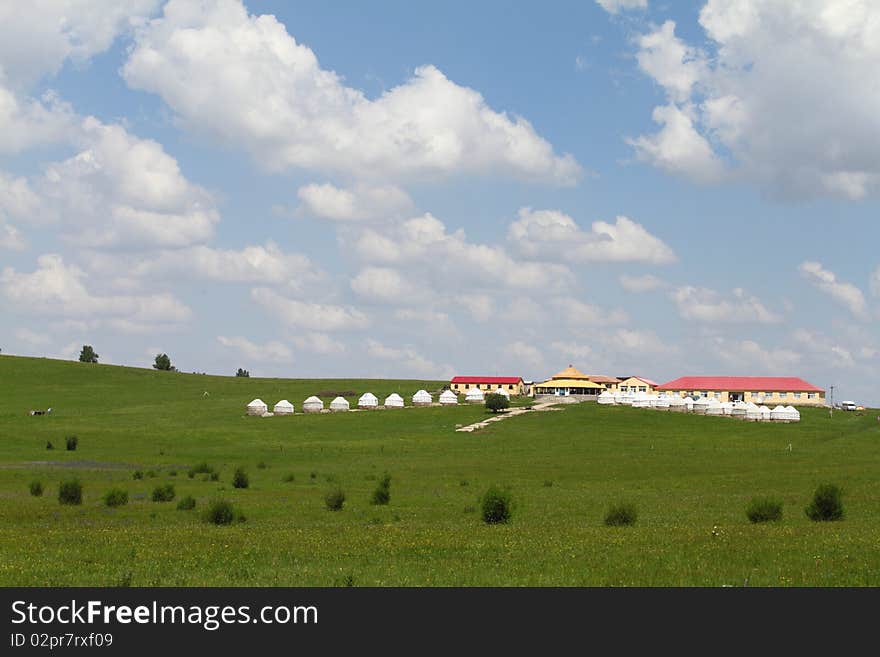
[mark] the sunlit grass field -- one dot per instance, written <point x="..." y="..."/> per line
<point x="690" y="478"/>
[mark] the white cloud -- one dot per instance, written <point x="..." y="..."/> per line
<point x="357" y="203"/>
<point x="875" y="282"/>
<point x="526" y="354"/>
<point x="481" y="307"/>
<point x="573" y="350"/>
<point x="846" y="294"/>
<point x="410" y="359"/>
<point x="640" y="341"/>
<point x="244" y="79"/>
<point x="581" y="314"/>
<point x="57" y="289"/>
<point x="319" y="343"/>
<point x="616" y="6"/>
<point x="748" y="355"/>
<point x="10" y="238"/>
<point x="705" y="305"/>
<point x="554" y="234"/>
<point x="448" y="257"/>
<point x="645" y="283"/>
<point x="760" y="97"/>
<point x="32" y="337"/>
<point x="28" y="122"/>
<point x="272" y="351"/>
<point x="122" y="190"/>
<point x="37" y="40"/>
<point x="308" y="315"/>
<point x="385" y="285"/>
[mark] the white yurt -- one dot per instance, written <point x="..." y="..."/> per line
<point x="605" y="397"/>
<point x="688" y="405"/>
<point x="393" y="401"/>
<point x="739" y="410"/>
<point x="641" y="400"/>
<point x="501" y="391"/>
<point x="778" y="413"/>
<point x="448" y="398"/>
<point x="339" y="405"/>
<point x="792" y="414"/>
<point x="422" y="398"/>
<point x="765" y="413"/>
<point x="701" y="404"/>
<point x="676" y="404"/>
<point x="283" y="407"/>
<point x="726" y="408"/>
<point x="368" y="400"/>
<point x="662" y="403"/>
<point x="714" y="407"/>
<point x="313" y="405"/>
<point x="627" y="398"/>
<point x="257" y="407"/>
<point x="753" y="412"/>
<point x="475" y="396"/>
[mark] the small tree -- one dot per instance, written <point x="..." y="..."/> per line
<point x="243" y="373"/>
<point x="88" y="355"/>
<point x="496" y="402"/>
<point x="827" y="504"/>
<point x="163" y="363"/>
<point x="382" y="494"/>
<point x="496" y="506"/>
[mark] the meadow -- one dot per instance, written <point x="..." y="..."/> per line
<point x="689" y="477"/>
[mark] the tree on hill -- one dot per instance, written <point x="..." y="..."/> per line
<point x="88" y="355"/>
<point x="496" y="402"/>
<point x="242" y="372"/>
<point x="163" y="363"/>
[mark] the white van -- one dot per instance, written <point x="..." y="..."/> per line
<point x="848" y="405"/>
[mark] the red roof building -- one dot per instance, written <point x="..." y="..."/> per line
<point x="512" y="384"/>
<point x="758" y="389"/>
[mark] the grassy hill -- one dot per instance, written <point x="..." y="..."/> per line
<point x="690" y="478"/>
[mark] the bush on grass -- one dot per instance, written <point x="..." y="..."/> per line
<point x="496" y="506"/>
<point x="827" y="504"/>
<point x="334" y="499"/>
<point x="623" y="514"/>
<point x="288" y="478"/>
<point x="240" y="478"/>
<point x="764" y="509"/>
<point x="70" y="492"/>
<point x="137" y="474"/>
<point x="187" y="503"/>
<point x="382" y="494"/>
<point x="36" y="488"/>
<point x="163" y="493"/>
<point x="116" y="497"/>
<point x="220" y="512"/>
<point x="71" y="442"/>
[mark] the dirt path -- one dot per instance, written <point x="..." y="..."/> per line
<point x="546" y="406"/>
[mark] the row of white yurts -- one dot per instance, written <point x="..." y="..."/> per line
<point x="366" y="401"/>
<point x="701" y="406"/>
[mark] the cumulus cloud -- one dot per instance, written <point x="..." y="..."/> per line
<point x="307" y="315"/>
<point x="750" y="356"/>
<point x="644" y="283"/>
<point x="875" y="282"/>
<point x="578" y="313"/>
<point x="353" y="204"/>
<point x="525" y="353"/>
<point x="29" y="122"/>
<point x="37" y="42"/>
<point x="640" y="341"/>
<point x="555" y="234"/>
<point x="57" y="289"/>
<point x="409" y="359"/>
<point x="10" y="237"/>
<point x="32" y="337"/>
<point x="846" y="294"/>
<point x="706" y="305"/>
<point x="573" y="350"/>
<point x="272" y="351"/>
<point x="319" y="343"/>
<point x="759" y="97"/>
<point x="385" y="285"/>
<point x="616" y="6"/>
<point x="244" y="79"/>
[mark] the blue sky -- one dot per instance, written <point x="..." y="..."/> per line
<point x="390" y="189"/>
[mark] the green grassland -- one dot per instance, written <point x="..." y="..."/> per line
<point x="690" y="477"/>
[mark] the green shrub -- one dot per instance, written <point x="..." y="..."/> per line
<point x="49" y="445"/>
<point x="262" y="465"/>
<point x="137" y="474"/>
<point x="36" y="488"/>
<point x="495" y="506"/>
<point x="827" y="504"/>
<point x="151" y="474"/>
<point x="187" y="503"/>
<point x="214" y="476"/>
<point x="495" y="402"/>
<point x="116" y="497"/>
<point x="764" y="509"/>
<point x="71" y="442"/>
<point x="621" y="515"/>
<point x="200" y="468"/>
<point x="548" y="483"/>
<point x="163" y="493"/>
<point x="382" y="494"/>
<point x="335" y="499"/>
<point x="288" y="478"/>
<point x="240" y="478"/>
<point x="70" y="492"/>
<point x="220" y="512"/>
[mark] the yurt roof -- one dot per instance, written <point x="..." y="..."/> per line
<point x="257" y="402"/>
<point x="284" y="402"/>
<point x="339" y="400"/>
<point x="313" y="400"/>
<point x="570" y="383"/>
<point x="394" y="396"/>
<point x="368" y="396"/>
<point x="422" y="394"/>
<point x="570" y="372"/>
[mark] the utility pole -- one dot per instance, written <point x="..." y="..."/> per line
<point x="831" y="408"/>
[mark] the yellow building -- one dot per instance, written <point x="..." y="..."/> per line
<point x="569" y="381"/>
<point x="637" y="384"/>
<point x="513" y="385"/>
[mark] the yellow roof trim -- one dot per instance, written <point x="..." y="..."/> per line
<point x="569" y="383"/>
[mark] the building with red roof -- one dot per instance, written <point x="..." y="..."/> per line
<point x="512" y="384"/>
<point x="788" y="390"/>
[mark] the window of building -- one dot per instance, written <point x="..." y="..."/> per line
<point x="624" y="389"/>
<point x="710" y="394"/>
<point x="642" y="389"/>
<point x="510" y="387"/>
<point x="811" y="395"/>
<point x="467" y="385"/>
